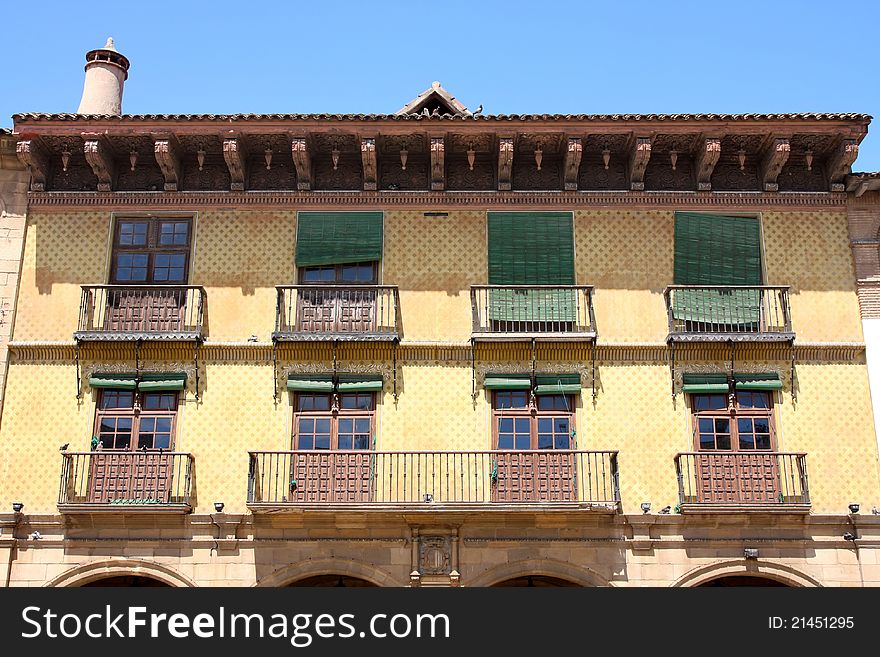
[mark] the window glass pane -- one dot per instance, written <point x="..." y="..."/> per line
<point x="746" y="441"/>
<point x="305" y="441"/>
<point x="560" y="425"/>
<point x="744" y="425"/>
<point x="346" y="425"/>
<point x="563" y="441"/>
<point x="522" y="441"/>
<point x="709" y="402"/>
<point x="108" y="424"/>
<point x="173" y="233"/>
<point x="545" y="441"/>
<point x="762" y="441"/>
<point x="545" y="425"/>
<point x="131" y="267"/>
<point x="722" y="441"/>
<point x="707" y="424"/>
<point x="123" y="440"/>
<point x="722" y="425"/>
<point x="159" y="402"/>
<point x="753" y="399"/>
<point x="505" y="424"/>
<point x="356" y="402"/>
<point x="169" y="267"/>
<point x="322" y="441"/>
<point x="116" y="399"/>
<point x="345" y="441"/>
<point x="522" y="425"/>
<point x="123" y="424"/>
<point x="707" y="441"/>
<point x="132" y="233"/>
<point x="163" y="424"/>
<point x="322" y="425"/>
<point x="306" y="425"/>
<point x="162" y="441"/>
<point x="505" y="441"/>
<point x="148" y="424"/>
<point x="762" y="425"/>
<point x="362" y="425"/>
<point x="318" y="275"/>
<point x="512" y="399"/>
<point x="362" y="441"/>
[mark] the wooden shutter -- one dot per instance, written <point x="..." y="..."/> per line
<point x="330" y="238"/>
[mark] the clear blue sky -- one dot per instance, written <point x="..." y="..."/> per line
<point x="513" y="57"/>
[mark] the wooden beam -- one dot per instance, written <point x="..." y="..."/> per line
<point x="573" y="154"/>
<point x="505" y="163"/>
<point x="303" y="161"/>
<point x="707" y="158"/>
<point x="167" y="156"/>
<point x="32" y="155"/>
<point x="438" y="164"/>
<point x="840" y="163"/>
<point x="774" y="159"/>
<point x="368" y="157"/>
<point x="638" y="160"/>
<point x="100" y="158"/>
<point x="236" y="159"/>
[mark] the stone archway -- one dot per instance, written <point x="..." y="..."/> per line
<point x="535" y="581"/>
<point x="331" y="567"/>
<point x="332" y="580"/>
<point x="549" y="569"/>
<point x="780" y="573"/>
<point x="127" y="581"/>
<point x="85" y="574"/>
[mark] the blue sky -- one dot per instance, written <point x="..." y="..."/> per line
<point x="511" y="57"/>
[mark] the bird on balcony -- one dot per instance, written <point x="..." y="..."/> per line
<point x="666" y="509"/>
<point x="64" y="447"/>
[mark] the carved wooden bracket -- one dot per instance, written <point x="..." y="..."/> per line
<point x="840" y="163"/>
<point x="303" y="161"/>
<point x="706" y="161"/>
<point x="168" y="158"/>
<point x="100" y="158"/>
<point x="31" y="154"/>
<point x="505" y="163"/>
<point x="368" y="156"/>
<point x="573" y="155"/>
<point x="236" y="159"/>
<point x="774" y="159"/>
<point x="638" y="160"/>
<point x="438" y="166"/>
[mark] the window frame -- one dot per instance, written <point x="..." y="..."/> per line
<point x="733" y="412"/>
<point x="338" y="269"/>
<point x="136" y="412"/>
<point x="151" y="249"/>
<point x="534" y="413"/>
<point x="334" y="414"/>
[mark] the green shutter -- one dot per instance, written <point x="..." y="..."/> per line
<point x="330" y="238"/>
<point x="531" y="248"/>
<point x="507" y="382"/>
<point x="113" y="380"/>
<point x="696" y="383"/>
<point x="766" y="381"/>
<point x="557" y="384"/>
<point x="717" y="250"/>
<point x="162" y="381"/>
<point x="310" y="383"/>
<point x="355" y="383"/>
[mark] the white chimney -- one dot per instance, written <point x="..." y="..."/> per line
<point x="106" y="72"/>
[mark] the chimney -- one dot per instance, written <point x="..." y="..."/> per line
<point x="106" y="72"/>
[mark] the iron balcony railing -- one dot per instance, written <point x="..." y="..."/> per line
<point x="137" y="312"/>
<point x="728" y="312"/>
<point x="419" y="478"/>
<point x="560" y="312"/>
<point x="125" y="479"/>
<point x="734" y="478"/>
<point x="337" y="312"/>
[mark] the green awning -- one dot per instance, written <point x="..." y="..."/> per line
<point x="704" y="383"/>
<point x="113" y="380"/>
<point x="766" y="381"/>
<point x="355" y="383"/>
<point x="557" y="384"/>
<point x="312" y="383"/>
<point x="330" y="238"/>
<point x="162" y="381"/>
<point x="507" y="382"/>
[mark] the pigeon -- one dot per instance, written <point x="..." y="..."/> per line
<point x="436" y="112"/>
<point x="64" y="447"/>
<point x="36" y="536"/>
<point x="666" y="509"/>
<point x="479" y="110"/>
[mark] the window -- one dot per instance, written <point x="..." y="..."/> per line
<point x="747" y="425"/>
<point x="318" y="426"/>
<point x="118" y="426"/>
<point x="516" y="428"/>
<point x="151" y="251"/>
<point x="358" y="273"/>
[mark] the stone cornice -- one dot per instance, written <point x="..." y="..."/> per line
<point x="777" y="201"/>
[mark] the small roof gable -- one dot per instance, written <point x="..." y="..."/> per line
<point x="437" y="101"/>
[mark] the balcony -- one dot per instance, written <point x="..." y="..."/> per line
<point x="433" y="480"/>
<point x="142" y="312"/>
<point x="714" y="481"/>
<point x="337" y="312"/>
<point x="718" y="313"/>
<point x="526" y="312"/>
<point x="150" y="481"/>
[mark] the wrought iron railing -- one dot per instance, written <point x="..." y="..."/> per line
<point x="713" y="312"/>
<point x="144" y="478"/>
<point x="419" y="478"/>
<point x="338" y="312"/>
<point x="752" y="477"/>
<point x="141" y="312"/>
<point x="517" y="311"/>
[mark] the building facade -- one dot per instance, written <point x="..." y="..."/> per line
<point x="437" y="348"/>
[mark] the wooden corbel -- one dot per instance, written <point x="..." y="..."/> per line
<point x="573" y="154"/>
<point x="299" y="149"/>
<point x="505" y="163"/>
<point x="438" y="166"/>
<point x="368" y="157"/>
<point x="638" y="161"/>
<point x="100" y="158"/>
<point x="236" y="159"/>
<point x="167" y="155"/>
<point x="707" y="158"/>
<point x="32" y="155"/>
<point x="774" y="159"/>
<point x="840" y="164"/>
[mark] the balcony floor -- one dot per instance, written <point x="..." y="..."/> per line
<point x="730" y="337"/>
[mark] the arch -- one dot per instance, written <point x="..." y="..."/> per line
<point x="329" y="566"/>
<point x="580" y="575"/>
<point x="89" y="572"/>
<point x="742" y="567"/>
